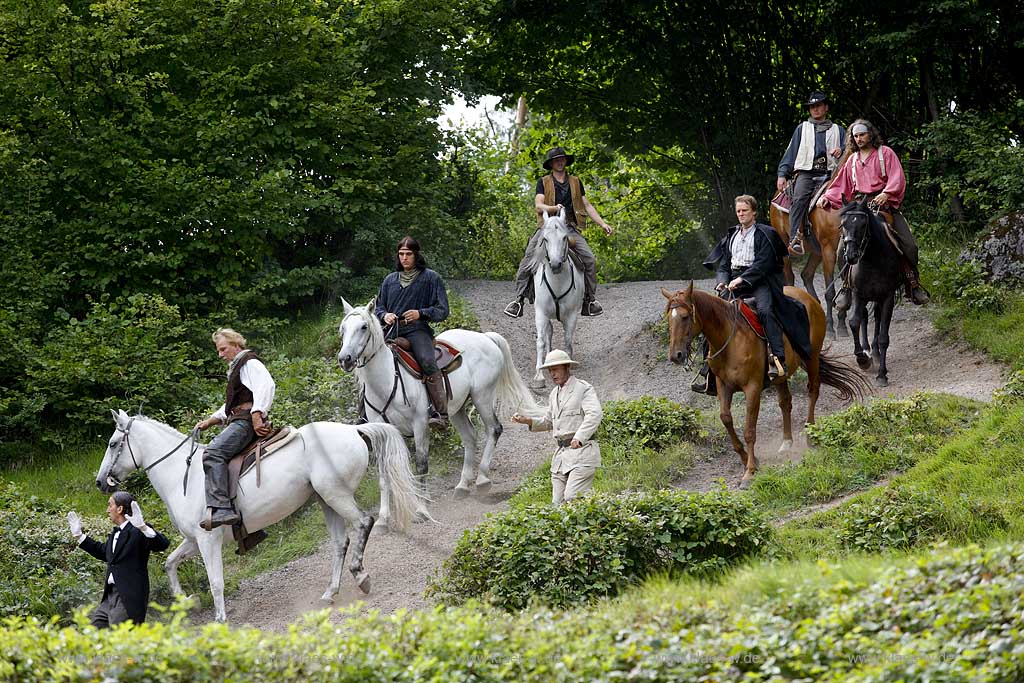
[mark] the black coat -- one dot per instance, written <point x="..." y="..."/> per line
<point x="766" y="271"/>
<point x="129" y="565"/>
<point x="426" y="294"/>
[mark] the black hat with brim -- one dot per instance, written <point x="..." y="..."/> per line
<point x="817" y="97"/>
<point x="553" y="154"/>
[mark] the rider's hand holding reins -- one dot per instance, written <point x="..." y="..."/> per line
<point x="410" y="315"/>
<point x="780" y="184"/>
<point x="75" y="522"/>
<point x="206" y="424"/>
<point x="258" y="425"/>
<point x="390" y="318"/>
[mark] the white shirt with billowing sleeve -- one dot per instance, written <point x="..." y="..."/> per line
<point x="574" y="412"/>
<point x="257" y="379"/>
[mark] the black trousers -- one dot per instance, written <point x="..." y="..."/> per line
<point x="762" y="294"/>
<point x="804" y="185"/>
<point x="422" y="348"/>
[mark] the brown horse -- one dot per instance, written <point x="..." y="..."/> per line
<point x="825" y="225"/>
<point x="737" y="356"/>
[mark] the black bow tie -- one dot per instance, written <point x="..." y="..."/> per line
<point x="117" y="530"/>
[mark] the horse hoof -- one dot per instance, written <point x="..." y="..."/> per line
<point x="881" y="381"/>
<point x="461" y="492"/>
<point x="864" y="362"/>
<point x="745" y="483"/>
<point x="363" y="581"/>
<point x="483" y="487"/>
<point x="786" y="445"/>
<point x="328" y="596"/>
<point x="422" y="516"/>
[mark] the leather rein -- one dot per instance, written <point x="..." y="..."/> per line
<point x="734" y="305"/>
<point x="193" y="436"/>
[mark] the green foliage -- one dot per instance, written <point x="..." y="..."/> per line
<point x="898" y="519"/>
<point x="647" y="422"/>
<point x="124" y="352"/>
<point x="1012" y="392"/>
<point x="962" y="284"/>
<point x="946" y="616"/>
<point x="857" y="447"/>
<point x="41" y="573"/>
<point x="311" y="390"/>
<point x="596" y="546"/>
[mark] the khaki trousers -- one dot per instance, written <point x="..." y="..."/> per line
<point x="567" y="485"/>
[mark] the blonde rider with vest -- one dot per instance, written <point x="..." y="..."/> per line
<point x="249" y="395"/>
<point x="812" y="155"/>
<point x="560" y="188"/>
<point x="874" y="170"/>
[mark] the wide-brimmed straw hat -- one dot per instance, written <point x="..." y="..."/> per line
<point x="553" y="154"/>
<point x="557" y="357"/>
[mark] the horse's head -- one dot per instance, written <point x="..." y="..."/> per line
<point x="855" y="222"/>
<point x="683" y="324"/>
<point x="361" y="335"/>
<point x="556" y="240"/>
<point x="119" y="460"/>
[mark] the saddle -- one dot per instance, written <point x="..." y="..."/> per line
<point x="448" y="358"/>
<point x="252" y="455"/>
<point x="748" y="307"/>
<point x="783" y="200"/>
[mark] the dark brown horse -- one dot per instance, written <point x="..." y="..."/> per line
<point x="737" y="356"/>
<point x="825" y="225"/>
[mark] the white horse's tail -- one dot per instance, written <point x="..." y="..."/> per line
<point x="388" y="447"/>
<point x="512" y="393"/>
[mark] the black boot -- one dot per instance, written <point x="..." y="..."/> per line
<point x="776" y="367"/>
<point x="704" y="382"/>
<point x="915" y="292"/>
<point x="438" y="399"/>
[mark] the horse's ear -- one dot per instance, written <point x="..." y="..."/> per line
<point x="114" y="413"/>
<point x="371" y="305"/>
<point x="347" y="306"/>
<point x="561" y="212"/>
<point x="667" y="294"/>
<point x="689" y="291"/>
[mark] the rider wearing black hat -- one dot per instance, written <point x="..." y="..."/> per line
<point x="558" y="188"/>
<point x="812" y="155"/>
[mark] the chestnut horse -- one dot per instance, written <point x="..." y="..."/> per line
<point x="737" y="356"/>
<point x="825" y="225"/>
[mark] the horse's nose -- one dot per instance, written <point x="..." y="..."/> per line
<point x="556" y="267"/>
<point x="345" y="361"/>
<point x="677" y="357"/>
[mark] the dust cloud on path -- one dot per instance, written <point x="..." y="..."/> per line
<point x="621" y="358"/>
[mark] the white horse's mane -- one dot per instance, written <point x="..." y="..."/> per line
<point x="372" y="323"/>
<point x="166" y="428"/>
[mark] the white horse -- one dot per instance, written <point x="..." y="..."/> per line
<point x="558" y="288"/>
<point x="487" y="377"/>
<point x="326" y="459"/>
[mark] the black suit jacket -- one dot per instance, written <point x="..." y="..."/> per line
<point x="128" y="563"/>
<point x="766" y="271"/>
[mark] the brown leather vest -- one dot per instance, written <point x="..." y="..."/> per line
<point x="577" y="200"/>
<point x="237" y="393"/>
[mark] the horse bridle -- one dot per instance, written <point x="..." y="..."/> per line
<point x="734" y="304"/>
<point x="862" y="243"/>
<point x="572" y="278"/>
<point x="383" y="412"/>
<point x="193" y="436"/>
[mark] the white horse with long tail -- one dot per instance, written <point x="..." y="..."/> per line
<point x="487" y="378"/>
<point x="326" y="460"/>
<point x="558" y="288"/>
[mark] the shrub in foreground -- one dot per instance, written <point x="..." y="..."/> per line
<point x="647" y="422"/>
<point x="598" y="545"/>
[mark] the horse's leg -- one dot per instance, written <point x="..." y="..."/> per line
<point x="186" y="550"/>
<point x="828" y="270"/>
<point x="858" y="323"/>
<point x="807" y="274"/>
<point x="786" y="406"/>
<point x="421" y="437"/>
<point x="883" y="315"/>
<point x="468" y="434"/>
<point x="492" y="432"/>
<point x="813" y="368"/>
<point x="339" y="542"/>
<point x="752" y="392"/>
<point x="543" y="324"/>
<point x="210" y="544"/>
<point x="341" y="501"/>
<point x="725" y="414"/>
<point x="569" y="330"/>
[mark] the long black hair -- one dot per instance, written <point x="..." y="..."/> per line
<point x="412" y="245"/>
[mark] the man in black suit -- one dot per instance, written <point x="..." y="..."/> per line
<point x="126" y="552"/>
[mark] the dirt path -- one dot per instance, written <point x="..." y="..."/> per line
<point x="621" y="358"/>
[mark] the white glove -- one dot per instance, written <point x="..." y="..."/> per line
<point x="75" y="522"/>
<point x="136" y="518"/>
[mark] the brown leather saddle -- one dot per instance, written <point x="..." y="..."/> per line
<point x="252" y="454"/>
<point x="448" y="358"/>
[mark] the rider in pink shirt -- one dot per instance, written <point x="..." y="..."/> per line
<point x="874" y="170"/>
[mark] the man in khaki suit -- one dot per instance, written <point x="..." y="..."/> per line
<point x="574" y="413"/>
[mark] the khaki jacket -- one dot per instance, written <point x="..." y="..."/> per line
<point x="574" y="411"/>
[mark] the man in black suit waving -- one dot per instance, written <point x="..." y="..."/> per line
<point x="126" y="552"/>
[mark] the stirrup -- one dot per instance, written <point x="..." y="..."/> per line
<point x="592" y="309"/>
<point x="776" y="368"/>
<point x="796" y="246"/>
<point x="514" y="309"/>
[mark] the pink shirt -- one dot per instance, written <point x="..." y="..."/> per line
<point x="869" y="178"/>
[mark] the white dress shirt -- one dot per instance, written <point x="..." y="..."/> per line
<point x="257" y="379"/>
<point x="742" y="247"/>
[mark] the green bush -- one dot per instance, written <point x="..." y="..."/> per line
<point x="961" y="282"/>
<point x="41" y="572"/>
<point x="647" y="422"/>
<point x="948" y="616"/>
<point x="1012" y="391"/>
<point x="596" y="546"/>
<point x="125" y="352"/>
<point x="310" y="390"/>
<point x="898" y="519"/>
